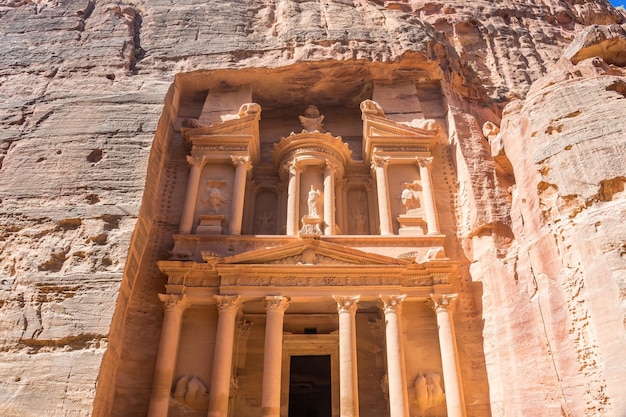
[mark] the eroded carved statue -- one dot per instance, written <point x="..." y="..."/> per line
<point x="191" y="391"/>
<point x="428" y="391"/>
<point x="372" y="108"/>
<point x="313" y="202"/>
<point x="410" y="198"/>
<point x="312" y="119"/>
<point x="214" y="198"/>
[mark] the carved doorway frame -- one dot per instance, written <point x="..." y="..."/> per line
<point x="310" y="345"/>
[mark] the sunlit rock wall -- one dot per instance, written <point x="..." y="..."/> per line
<point x="87" y="92"/>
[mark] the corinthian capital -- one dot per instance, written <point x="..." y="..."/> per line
<point x="196" y="160"/>
<point x="276" y="302"/>
<point x="243" y="161"/>
<point x="174" y="302"/>
<point x="346" y="304"/>
<point x="227" y="302"/>
<point x="441" y="302"/>
<point x="392" y="303"/>
<point x="424" y="162"/>
<point x="380" y="162"/>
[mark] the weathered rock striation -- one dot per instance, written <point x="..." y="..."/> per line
<point x="91" y="159"/>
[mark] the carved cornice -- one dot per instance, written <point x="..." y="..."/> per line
<point x="316" y="147"/>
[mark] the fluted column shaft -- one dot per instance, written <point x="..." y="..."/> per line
<point x="430" y="210"/>
<point x="329" y="198"/>
<point x="242" y="164"/>
<point x="455" y="403"/>
<point x="191" y="196"/>
<point x="275" y="307"/>
<point x="348" y="377"/>
<point x="227" y="308"/>
<point x="398" y="397"/>
<point x="174" y="306"/>
<point x="380" y="167"/>
<point x="292" y="199"/>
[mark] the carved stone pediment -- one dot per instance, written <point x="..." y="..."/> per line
<point x="389" y="136"/>
<point x="311" y="252"/>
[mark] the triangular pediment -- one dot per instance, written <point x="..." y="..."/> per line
<point x="309" y="252"/>
<point x="376" y="126"/>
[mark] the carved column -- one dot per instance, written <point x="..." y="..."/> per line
<point x="275" y="307"/>
<point x="193" y="185"/>
<point x="227" y="308"/>
<point x="398" y="397"/>
<point x="252" y="190"/>
<point x="341" y="209"/>
<point x="429" y="197"/>
<point x="242" y="165"/>
<point x="348" y="377"/>
<point x="380" y="167"/>
<point x="292" y="199"/>
<point x="455" y="403"/>
<point x="329" y="198"/>
<point x="174" y="306"/>
<point x="372" y="207"/>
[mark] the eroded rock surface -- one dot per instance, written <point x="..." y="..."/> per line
<point x="538" y="218"/>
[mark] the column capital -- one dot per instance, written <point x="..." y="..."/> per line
<point x="380" y="162"/>
<point x="197" y="160"/>
<point x="424" y="162"/>
<point x="331" y="165"/>
<point x="243" y="161"/>
<point x="292" y="167"/>
<point x="441" y="302"/>
<point x="276" y="303"/>
<point x="174" y="302"/>
<point x="227" y="302"/>
<point x="346" y="304"/>
<point x="391" y="303"/>
<point x="244" y="327"/>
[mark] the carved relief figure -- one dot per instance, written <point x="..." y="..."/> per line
<point x="264" y="224"/>
<point x="428" y="391"/>
<point x="359" y="221"/>
<point x="214" y="199"/>
<point x="313" y="202"/>
<point x="410" y="199"/>
<point x="191" y="391"/>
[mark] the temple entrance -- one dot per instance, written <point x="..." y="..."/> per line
<point x="310" y="386"/>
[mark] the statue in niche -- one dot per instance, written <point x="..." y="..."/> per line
<point x="410" y="198"/>
<point x="428" y="391"/>
<point x="312" y="119"/>
<point x="313" y="202"/>
<point x="214" y="199"/>
<point x="265" y="223"/>
<point x="358" y="221"/>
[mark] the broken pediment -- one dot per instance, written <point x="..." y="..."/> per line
<point x="308" y="252"/>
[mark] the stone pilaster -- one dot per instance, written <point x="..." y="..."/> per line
<point x="242" y="165"/>
<point x="329" y="198"/>
<point x="442" y="305"/>
<point x="379" y="165"/>
<point x="292" y="198"/>
<point x="275" y="307"/>
<point x="398" y="396"/>
<point x="348" y="376"/>
<point x="193" y="184"/>
<point x="227" y="309"/>
<point x="430" y="209"/>
<point x="174" y="306"/>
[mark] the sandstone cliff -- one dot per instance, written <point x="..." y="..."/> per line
<point x="539" y="206"/>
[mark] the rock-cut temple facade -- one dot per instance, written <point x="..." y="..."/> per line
<point x="309" y="276"/>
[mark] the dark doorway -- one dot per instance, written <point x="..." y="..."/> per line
<point x="309" y="386"/>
